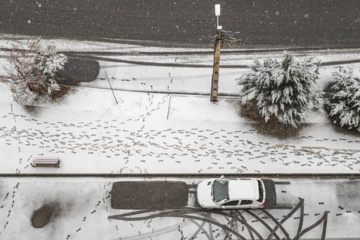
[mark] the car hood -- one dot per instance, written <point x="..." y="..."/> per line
<point x="204" y="194"/>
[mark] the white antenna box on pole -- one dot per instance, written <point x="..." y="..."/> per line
<point x="217" y="10"/>
<point x="217" y="14"/>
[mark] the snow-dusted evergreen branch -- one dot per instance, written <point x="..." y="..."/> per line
<point x="344" y="102"/>
<point x="282" y="89"/>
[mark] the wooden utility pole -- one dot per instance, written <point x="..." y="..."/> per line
<point x="215" y="76"/>
<point x="222" y="37"/>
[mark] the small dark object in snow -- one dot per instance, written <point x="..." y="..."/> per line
<point x="45" y="215"/>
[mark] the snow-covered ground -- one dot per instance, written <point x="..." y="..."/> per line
<point x="164" y="132"/>
<point x="82" y="208"/>
<point x="153" y="132"/>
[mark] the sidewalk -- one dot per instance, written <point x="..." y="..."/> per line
<point x="162" y="133"/>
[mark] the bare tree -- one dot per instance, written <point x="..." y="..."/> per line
<point x="33" y="72"/>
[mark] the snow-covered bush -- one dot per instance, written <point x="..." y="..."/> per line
<point x="344" y="101"/>
<point x="33" y="73"/>
<point x="282" y="90"/>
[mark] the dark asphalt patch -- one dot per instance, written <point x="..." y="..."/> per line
<point x="270" y="197"/>
<point x="348" y="195"/>
<point x="79" y="70"/>
<point x="149" y="195"/>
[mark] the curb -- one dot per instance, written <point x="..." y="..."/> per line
<point x="351" y="176"/>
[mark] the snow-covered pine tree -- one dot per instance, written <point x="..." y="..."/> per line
<point x="344" y="102"/>
<point x="33" y="73"/>
<point x="282" y="89"/>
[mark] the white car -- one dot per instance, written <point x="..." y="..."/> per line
<point x="231" y="193"/>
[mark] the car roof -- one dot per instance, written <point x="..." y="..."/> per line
<point x="243" y="189"/>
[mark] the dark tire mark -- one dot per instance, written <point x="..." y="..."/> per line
<point x="301" y="217"/>
<point x="287" y="216"/>
<point x="321" y="220"/>
<point x="264" y="223"/>
<point x="244" y="219"/>
<point x="277" y="223"/>
<point x="200" y="227"/>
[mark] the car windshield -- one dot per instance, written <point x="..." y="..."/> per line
<point x="220" y="190"/>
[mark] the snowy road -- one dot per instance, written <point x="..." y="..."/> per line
<point x="267" y="23"/>
<point x="82" y="208"/>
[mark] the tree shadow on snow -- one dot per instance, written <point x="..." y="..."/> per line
<point x="272" y="127"/>
<point x="33" y="111"/>
<point x="46" y="214"/>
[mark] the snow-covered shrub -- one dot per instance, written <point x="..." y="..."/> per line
<point x="282" y="90"/>
<point x="344" y="102"/>
<point x="33" y="73"/>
